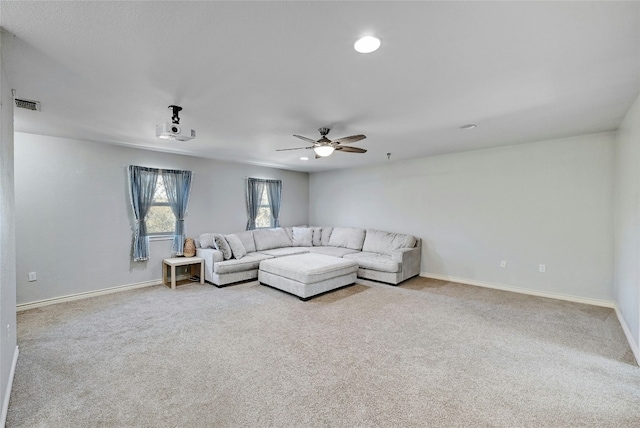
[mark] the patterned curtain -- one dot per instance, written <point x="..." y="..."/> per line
<point x="255" y="187"/>
<point x="178" y="187"/>
<point x="274" y="187"/>
<point x="142" y="187"/>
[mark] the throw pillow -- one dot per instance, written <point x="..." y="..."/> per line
<point x="247" y="240"/>
<point x="237" y="248"/>
<point x="206" y="240"/>
<point x="317" y="236"/>
<point x="289" y="230"/>
<point x="302" y="237"/>
<point x="326" y="235"/>
<point x="222" y="245"/>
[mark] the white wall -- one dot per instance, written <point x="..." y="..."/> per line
<point x="8" y="349"/>
<point x="541" y="203"/>
<point x="74" y="225"/>
<point x="627" y="224"/>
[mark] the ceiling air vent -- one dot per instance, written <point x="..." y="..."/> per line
<point x="28" y="104"/>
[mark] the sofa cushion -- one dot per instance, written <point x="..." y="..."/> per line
<point x="331" y="251"/>
<point x="222" y="245"/>
<point x="316" y="240"/>
<point x="285" y="251"/>
<point x="302" y="237"/>
<point x="249" y="262"/>
<point x="237" y="248"/>
<point x="326" y="235"/>
<point x="347" y="237"/>
<point x="375" y="261"/>
<point x="247" y="240"/>
<point x="267" y="239"/>
<point x="377" y="241"/>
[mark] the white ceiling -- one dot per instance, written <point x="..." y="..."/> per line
<point x="250" y="74"/>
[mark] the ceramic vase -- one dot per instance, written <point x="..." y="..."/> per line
<point x="189" y="248"/>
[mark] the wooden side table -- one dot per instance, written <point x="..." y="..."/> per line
<point x="180" y="261"/>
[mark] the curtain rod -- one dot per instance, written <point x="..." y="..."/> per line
<point x="160" y="170"/>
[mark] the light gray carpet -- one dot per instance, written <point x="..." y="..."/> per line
<point x="427" y="353"/>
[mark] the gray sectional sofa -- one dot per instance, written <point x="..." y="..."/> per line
<point x="381" y="256"/>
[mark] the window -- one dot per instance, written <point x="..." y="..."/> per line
<point x="263" y="203"/>
<point x="159" y="200"/>
<point x="160" y="220"/>
<point x="264" y="217"/>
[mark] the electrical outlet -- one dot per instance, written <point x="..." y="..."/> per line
<point x="542" y="268"/>
<point x="503" y="264"/>
<point x="32" y="277"/>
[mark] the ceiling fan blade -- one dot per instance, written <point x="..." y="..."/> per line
<point x="351" y="139"/>
<point x="351" y="149"/>
<point x="295" y="148"/>
<point x="305" y="138"/>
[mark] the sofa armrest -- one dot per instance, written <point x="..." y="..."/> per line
<point x="410" y="258"/>
<point x="210" y="257"/>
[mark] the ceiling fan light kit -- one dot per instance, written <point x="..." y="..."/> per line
<point x="323" y="151"/>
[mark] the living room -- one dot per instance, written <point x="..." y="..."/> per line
<point x="565" y="199"/>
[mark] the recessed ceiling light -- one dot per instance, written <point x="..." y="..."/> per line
<point x="304" y="158"/>
<point x="468" y="126"/>
<point x="367" y="44"/>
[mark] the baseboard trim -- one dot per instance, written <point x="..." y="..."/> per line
<point x="627" y="332"/>
<point x="7" y="392"/>
<point x="551" y="295"/>
<point x="85" y="295"/>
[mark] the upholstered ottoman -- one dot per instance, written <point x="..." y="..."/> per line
<point x="307" y="275"/>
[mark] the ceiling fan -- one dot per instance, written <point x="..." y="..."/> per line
<point x="325" y="147"/>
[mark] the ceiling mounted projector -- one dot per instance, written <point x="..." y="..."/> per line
<point x="173" y="130"/>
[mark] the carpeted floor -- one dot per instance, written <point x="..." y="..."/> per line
<point x="426" y="353"/>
